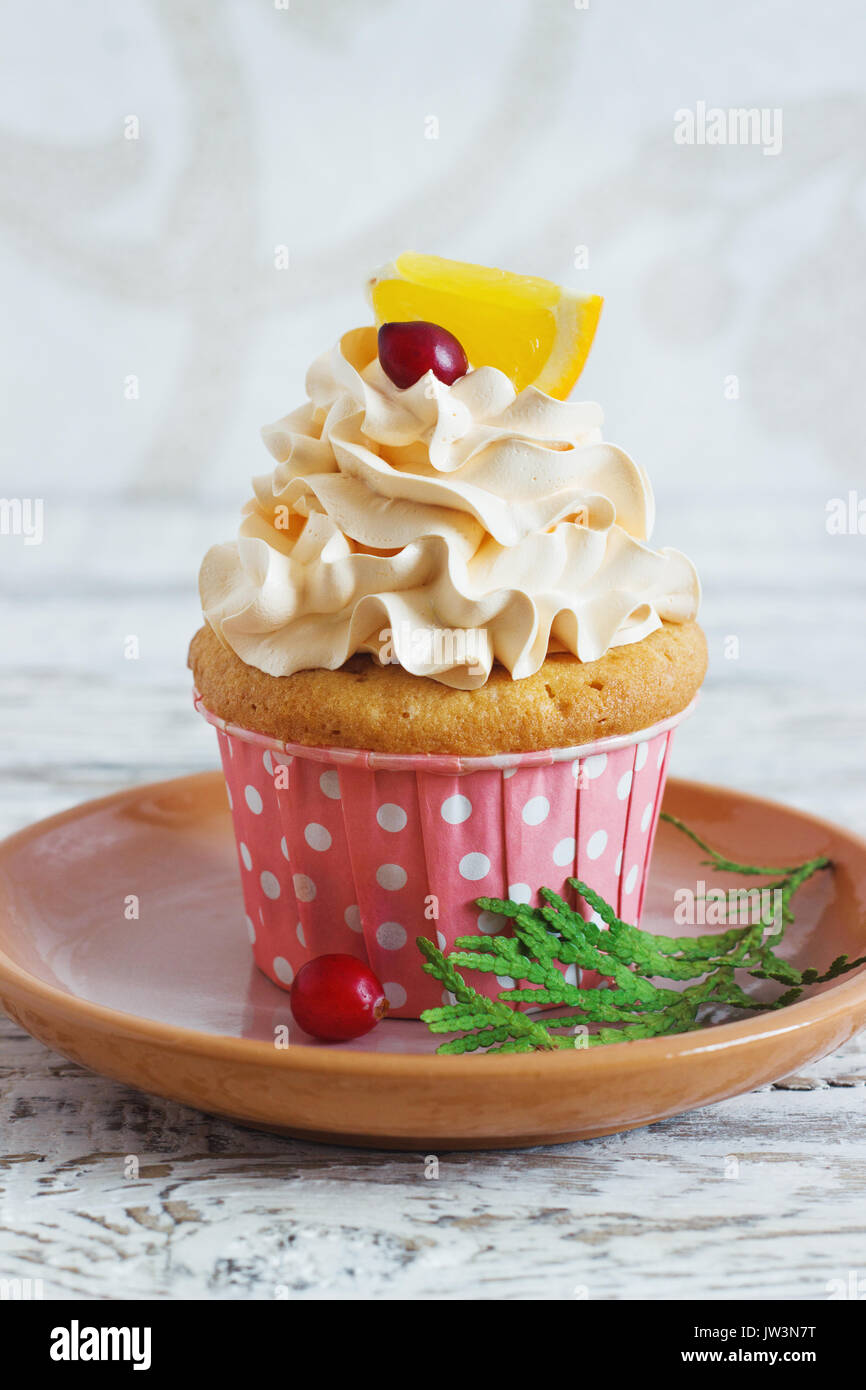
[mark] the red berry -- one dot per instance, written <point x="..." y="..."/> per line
<point x="336" y="998"/>
<point x="408" y="350"/>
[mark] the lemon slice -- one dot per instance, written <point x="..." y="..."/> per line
<point x="536" y="332"/>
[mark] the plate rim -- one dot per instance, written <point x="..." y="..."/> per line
<point x="615" y="1057"/>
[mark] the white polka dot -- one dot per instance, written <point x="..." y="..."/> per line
<point x="597" y="920"/>
<point x="440" y="940"/>
<point x="593" y="767"/>
<point x="662" y="750"/>
<point x="623" y="786"/>
<point x="508" y="771"/>
<point x="505" y="981"/>
<point x="251" y="931"/>
<point x="391" y="817"/>
<point x="283" y="970"/>
<point x="448" y="997"/>
<point x="456" y="809"/>
<point x="317" y="837"/>
<point x="305" y="888"/>
<point x="575" y="768"/>
<point x="253" y="800"/>
<point x="631" y="880"/>
<point x="229" y="797"/>
<point x="284" y="849"/>
<point x="563" y="853"/>
<point x="330" y="784"/>
<point x="474" y="866"/>
<point x="270" y="884"/>
<point x="641" y="756"/>
<point x="268" y="762"/>
<point x="246" y="857"/>
<point x="299" y="930"/>
<point x="352" y="917"/>
<point x="391" y="877"/>
<point x="489" y="923"/>
<point x="520" y="892"/>
<point x="647" y="815"/>
<point x="536" y="810"/>
<point x="597" y="844"/>
<point x="391" y="936"/>
<point x="395" y="994"/>
<point x="617" y="868"/>
<point x="570" y="975"/>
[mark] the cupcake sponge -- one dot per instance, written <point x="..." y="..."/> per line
<point x="386" y="709"/>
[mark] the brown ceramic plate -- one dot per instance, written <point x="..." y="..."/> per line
<point x="172" y="1004"/>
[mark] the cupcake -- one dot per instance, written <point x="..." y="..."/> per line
<point x="442" y="659"/>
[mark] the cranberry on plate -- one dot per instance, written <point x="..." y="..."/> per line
<point x="336" y="998"/>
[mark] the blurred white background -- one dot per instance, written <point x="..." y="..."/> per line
<point x="261" y="127"/>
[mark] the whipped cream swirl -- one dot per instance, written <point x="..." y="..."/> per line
<point x="393" y="516"/>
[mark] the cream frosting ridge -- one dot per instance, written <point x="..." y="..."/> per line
<point x="397" y="520"/>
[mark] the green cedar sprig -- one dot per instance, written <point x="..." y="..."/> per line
<point x="547" y="938"/>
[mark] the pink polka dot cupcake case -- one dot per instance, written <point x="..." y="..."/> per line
<point x="343" y="850"/>
<point x="449" y="508"/>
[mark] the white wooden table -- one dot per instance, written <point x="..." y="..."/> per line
<point x="758" y="1197"/>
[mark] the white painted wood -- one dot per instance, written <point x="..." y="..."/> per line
<point x="760" y="1196"/>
